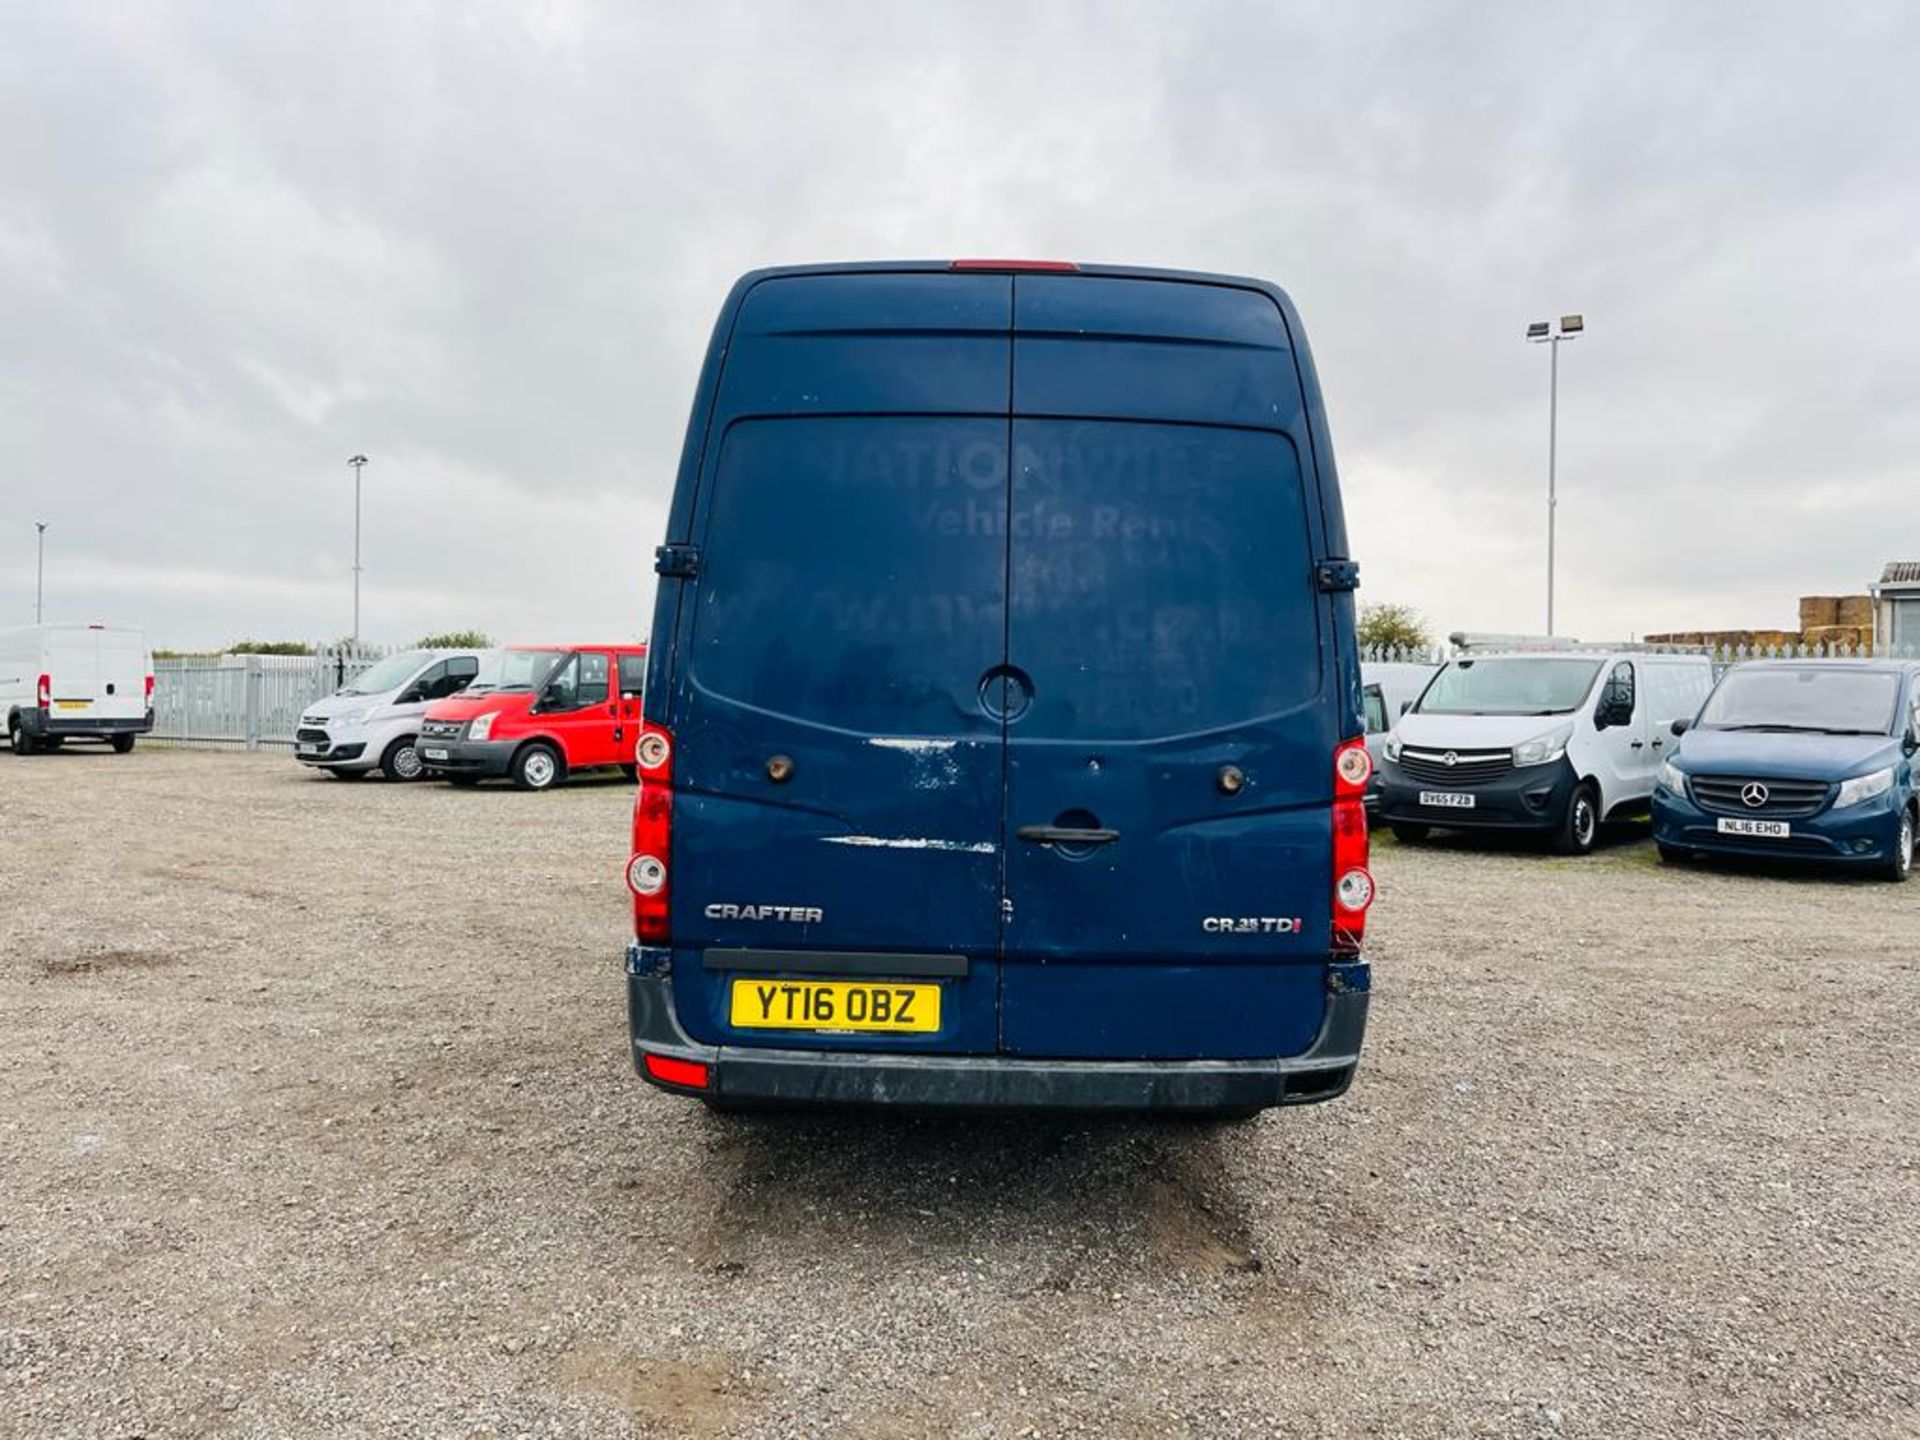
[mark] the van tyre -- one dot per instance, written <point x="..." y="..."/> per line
<point x="402" y="761"/>
<point x="22" y="742"/>
<point x="1580" y="826"/>
<point x="123" y="744"/>
<point x="1411" y="834"/>
<point x="1901" y="866"/>
<point x="537" y="767"/>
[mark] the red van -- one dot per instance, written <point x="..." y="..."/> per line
<point x="535" y="712"/>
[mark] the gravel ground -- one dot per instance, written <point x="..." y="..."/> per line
<point x="316" y="1117"/>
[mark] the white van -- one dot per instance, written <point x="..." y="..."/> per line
<point x="1550" y="740"/>
<point x="75" y="682"/>
<point x="1388" y="688"/>
<point x="373" y="720"/>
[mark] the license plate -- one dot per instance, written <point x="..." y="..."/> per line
<point x="312" y="749"/>
<point x="71" y="704"/>
<point x="1770" y="829"/>
<point x="834" y="1005"/>
<point x="433" y="754"/>
<point x="1446" y="799"/>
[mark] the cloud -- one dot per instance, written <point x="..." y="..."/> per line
<point x="485" y="244"/>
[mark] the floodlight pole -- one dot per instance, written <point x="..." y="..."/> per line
<point x="358" y="462"/>
<point x="40" y="572"/>
<point x="1570" y="327"/>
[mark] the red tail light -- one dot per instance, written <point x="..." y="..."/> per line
<point x="690" y="1073"/>
<point x="647" y="872"/>
<point x="149" y="692"/>
<point x="1352" y="881"/>
<point x="44" y="692"/>
<point x="1057" y="267"/>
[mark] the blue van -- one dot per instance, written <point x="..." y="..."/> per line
<point x="1798" y="759"/>
<point x="1002" y="738"/>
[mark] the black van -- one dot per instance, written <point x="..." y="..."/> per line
<point x="1003" y="738"/>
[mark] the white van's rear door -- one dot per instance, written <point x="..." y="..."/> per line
<point x="97" y="673"/>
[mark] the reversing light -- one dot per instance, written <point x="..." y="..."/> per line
<point x="646" y="874"/>
<point x="652" y="750"/>
<point x="1355" y="766"/>
<point x="690" y="1073"/>
<point x="44" y="692"/>
<point x="1355" y="890"/>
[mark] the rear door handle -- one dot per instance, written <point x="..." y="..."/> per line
<point x="1641" y="744"/>
<point x="1065" y="835"/>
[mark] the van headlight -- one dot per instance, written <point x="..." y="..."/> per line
<point x="1863" y="787"/>
<point x="1673" y="777"/>
<point x="347" y="719"/>
<point x="1391" y="747"/>
<point x="1544" y="749"/>
<point x="481" y="727"/>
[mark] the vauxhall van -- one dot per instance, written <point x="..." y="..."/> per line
<point x="534" y="714"/>
<point x="1002" y="737"/>
<point x="1552" y="741"/>
<point x="75" y="682"/>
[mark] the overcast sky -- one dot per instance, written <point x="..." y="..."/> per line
<point x="485" y="244"/>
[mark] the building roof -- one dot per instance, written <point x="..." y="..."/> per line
<point x="1901" y="572"/>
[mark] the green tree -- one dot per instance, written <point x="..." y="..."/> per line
<point x="456" y="640"/>
<point x="1392" y="627"/>
<point x="269" y="647"/>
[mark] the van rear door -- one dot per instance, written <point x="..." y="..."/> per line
<point x="838" y="781"/>
<point x="1171" y="728"/>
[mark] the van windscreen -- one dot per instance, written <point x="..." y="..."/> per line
<point x="1509" y="686"/>
<point x="1831" y="702"/>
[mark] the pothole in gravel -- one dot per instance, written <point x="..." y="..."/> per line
<point x="695" y="1398"/>
<point x="97" y="962"/>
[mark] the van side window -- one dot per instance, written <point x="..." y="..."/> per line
<point x="1376" y="707"/>
<point x="562" y="690"/>
<point x="593" y="676"/>
<point x="633" y="676"/>
<point x="1619" y="697"/>
<point x="460" y="672"/>
<point x="428" y="684"/>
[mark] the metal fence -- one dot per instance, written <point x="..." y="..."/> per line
<point x="244" y="702"/>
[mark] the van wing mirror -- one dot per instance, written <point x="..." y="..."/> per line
<point x="1681" y="726"/>
<point x="1405" y="706"/>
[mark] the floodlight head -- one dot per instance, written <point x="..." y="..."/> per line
<point x="357" y="460"/>
<point x="1537" y="330"/>
<point x="1572" y="324"/>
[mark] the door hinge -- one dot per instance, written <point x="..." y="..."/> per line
<point x="1333" y="576"/>
<point x="677" y="562"/>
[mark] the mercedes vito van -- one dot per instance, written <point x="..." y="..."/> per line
<point x="1003" y="741"/>
<point x="1553" y="741"/>
<point x="75" y="682"/>
<point x="1799" y="760"/>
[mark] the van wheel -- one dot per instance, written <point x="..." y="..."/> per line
<point x="1901" y="866"/>
<point x="401" y="760"/>
<point x="123" y="744"/>
<point x="1581" y="824"/>
<point x="537" y="767"/>
<point x="1410" y="834"/>
<point x="22" y="742"/>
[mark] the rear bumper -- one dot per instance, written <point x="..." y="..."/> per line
<point x="1533" y="798"/>
<point x="485" y="758"/>
<point x="51" y="725"/>
<point x="994" y="1082"/>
